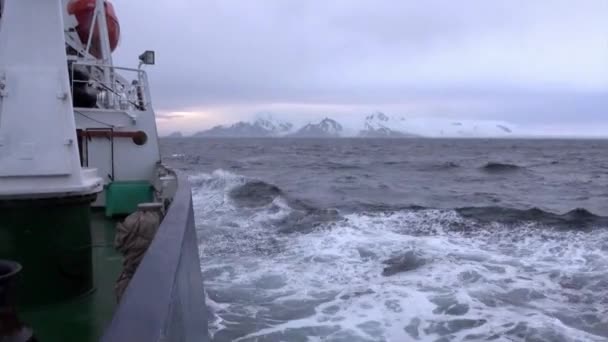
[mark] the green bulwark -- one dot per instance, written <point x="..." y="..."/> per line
<point x="122" y="197"/>
<point x="66" y="288"/>
<point x="51" y="239"/>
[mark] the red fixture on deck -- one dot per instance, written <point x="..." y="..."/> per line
<point x="84" y="10"/>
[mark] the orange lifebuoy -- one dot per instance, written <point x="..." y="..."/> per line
<point x="84" y="10"/>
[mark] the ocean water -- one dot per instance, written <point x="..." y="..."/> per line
<point x="401" y="240"/>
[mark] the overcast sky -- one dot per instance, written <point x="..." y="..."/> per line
<point x="541" y="65"/>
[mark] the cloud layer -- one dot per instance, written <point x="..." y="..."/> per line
<point x="531" y="62"/>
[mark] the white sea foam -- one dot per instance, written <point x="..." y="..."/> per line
<point x="508" y="282"/>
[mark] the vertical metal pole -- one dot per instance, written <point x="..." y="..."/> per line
<point x="93" y="24"/>
<point x="106" y="50"/>
<point x="104" y="36"/>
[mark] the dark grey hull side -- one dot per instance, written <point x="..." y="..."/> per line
<point x="165" y="300"/>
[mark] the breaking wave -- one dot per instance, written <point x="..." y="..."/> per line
<point x="255" y="193"/>
<point x="493" y="167"/>
<point x="575" y="219"/>
<point x="281" y="269"/>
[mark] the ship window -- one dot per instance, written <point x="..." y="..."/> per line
<point x="140" y="138"/>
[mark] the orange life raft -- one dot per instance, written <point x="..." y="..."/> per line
<point x="84" y="11"/>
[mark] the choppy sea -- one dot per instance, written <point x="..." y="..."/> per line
<point x="401" y="239"/>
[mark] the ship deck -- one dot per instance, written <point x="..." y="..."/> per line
<point x="84" y="318"/>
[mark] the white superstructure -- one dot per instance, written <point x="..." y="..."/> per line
<point x="70" y="111"/>
<point x="39" y="154"/>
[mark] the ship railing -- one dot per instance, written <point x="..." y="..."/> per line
<point x="165" y="299"/>
<point x="117" y="88"/>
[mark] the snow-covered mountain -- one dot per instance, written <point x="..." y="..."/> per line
<point x="380" y="125"/>
<point x="376" y="125"/>
<point x="263" y="126"/>
<point x="175" y="135"/>
<point x="274" y="125"/>
<point x="327" y="128"/>
<point x="239" y="129"/>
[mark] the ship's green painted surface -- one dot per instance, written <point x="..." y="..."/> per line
<point x="122" y="197"/>
<point x="82" y="317"/>
<point x="164" y="301"/>
<point x="51" y="239"/>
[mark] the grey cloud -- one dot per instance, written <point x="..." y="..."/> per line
<point x="517" y="56"/>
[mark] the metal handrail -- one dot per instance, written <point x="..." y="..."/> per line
<point x="134" y="93"/>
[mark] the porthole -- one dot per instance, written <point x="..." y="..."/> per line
<point x="140" y="138"/>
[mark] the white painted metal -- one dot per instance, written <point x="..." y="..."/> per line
<point x="106" y="53"/>
<point x="102" y="22"/>
<point x="128" y="109"/>
<point x="123" y="106"/>
<point x="38" y="147"/>
<point x="131" y="161"/>
<point x="121" y="159"/>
